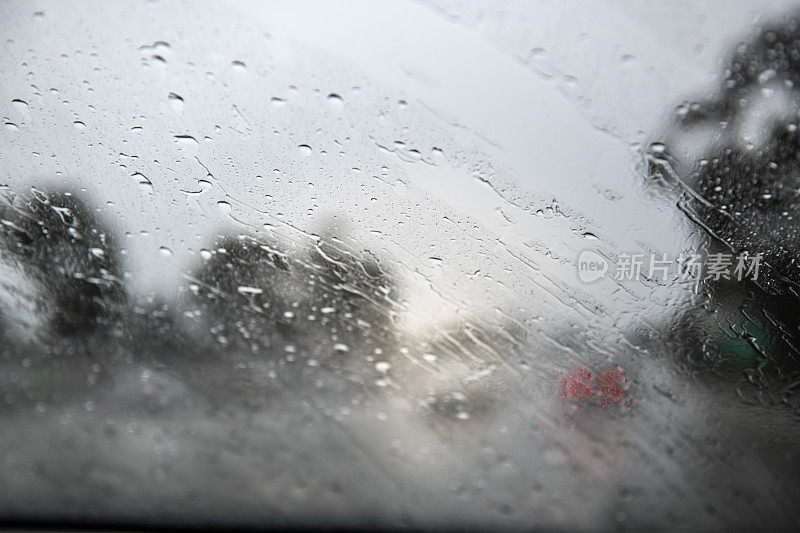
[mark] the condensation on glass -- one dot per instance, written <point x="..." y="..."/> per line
<point x="318" y="263"/>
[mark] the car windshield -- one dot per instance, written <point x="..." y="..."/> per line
<point x="432" y="265"/>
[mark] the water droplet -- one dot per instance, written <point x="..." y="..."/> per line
<point x="144" y="183"/>
<point x="382" y="367"/>
<point x="141" y="177"/>
<point x="224" y="206"/>
<point x="11" y="126"/>
<point x="186" y="141"/>
<point x="304" y="149"/>
<point x="79" y="125"/>
<point x="766" y="76"/>
<point x="335" y="100"/>
<point x="238" y="65"/>
<point x="20" y="105"/>
<point x="176" y="102"/>
<point x="341" y="347"/>
<point x="244" y="290"/>
<point x="277" y="101"/>
<point x="166" y="252"/>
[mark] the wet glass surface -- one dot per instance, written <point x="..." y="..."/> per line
<point x="323" y="264"/>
